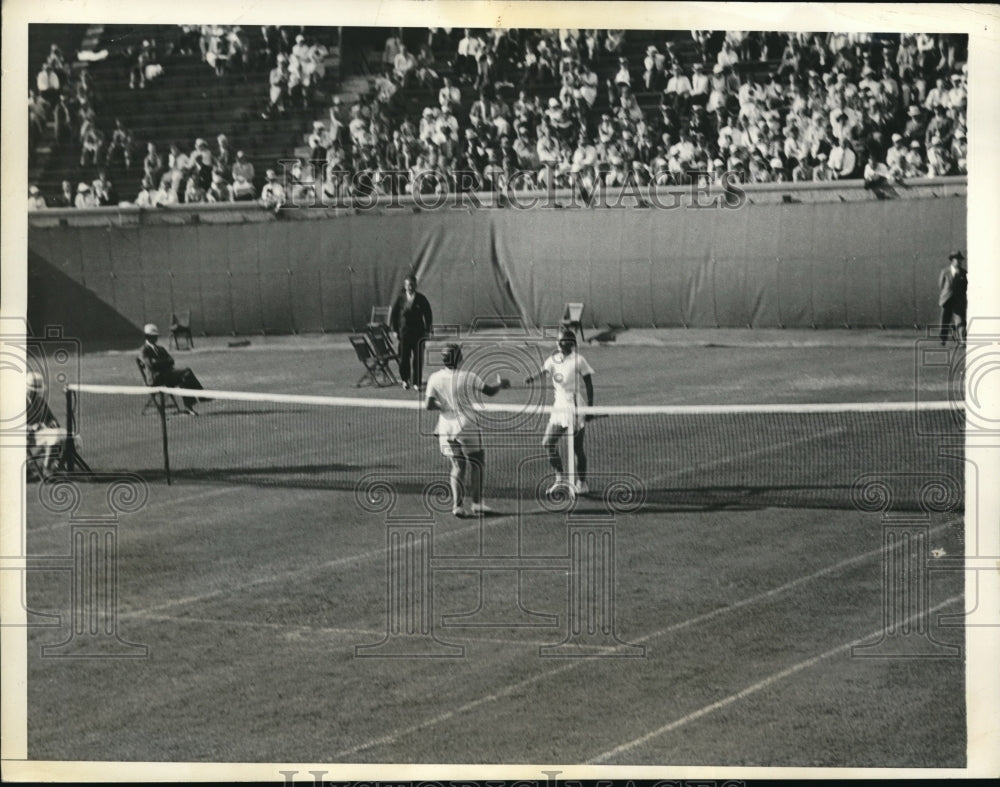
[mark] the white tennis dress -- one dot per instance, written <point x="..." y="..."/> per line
<point x="567" y="373"/>
<point x="455" y="391"/>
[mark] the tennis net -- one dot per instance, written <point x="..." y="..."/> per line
<point x="819" y="455"/>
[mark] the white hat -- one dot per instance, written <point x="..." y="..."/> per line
<point x="317" y="124"/>
<point x="83" y="187"/>
<point x="897" y="137"/>
<point x="32" y="189"/>
<point x="150" y="329"/>
<point x="717" y="68"/>
<point x="553" y="102"/>
<point x="915" y="144"/>
<point x="776" y="162"/>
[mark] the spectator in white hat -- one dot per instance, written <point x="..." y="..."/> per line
<point x="242" y="167"/>
<point x="914" y="166"/>
<point x="272" y="196"/>
<point x="43" y="434"/>
<point x="35" y="199"/>
<point x="84" y="197"/>
<point x="895" y="158"/>
<point x="162" y="370"/>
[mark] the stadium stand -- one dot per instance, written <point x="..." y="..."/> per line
<point x="468" y="110"/>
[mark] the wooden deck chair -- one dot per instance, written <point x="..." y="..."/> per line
<point x="169" y="402"/>
<point x="180" y="326"/>
<point x="48" y="453"/>
<point x="383" y="350"/>
<point x="374" y="374"/>
<point x="379" y="315"/>
<point x="572" y="318"/>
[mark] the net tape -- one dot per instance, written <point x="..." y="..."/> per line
<point x="708" y="455"/>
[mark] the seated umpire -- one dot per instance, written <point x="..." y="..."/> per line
<point x="162" y="370"/>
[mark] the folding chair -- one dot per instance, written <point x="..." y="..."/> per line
<point x="169" y="402"/>
<point x="49" y="455"/>
<point x="571" y="318"/>
<point x="379" y="316"/>
<point x="383" y="350"/>
<point x="374" y="373"/>
<point x="180" y="325"/>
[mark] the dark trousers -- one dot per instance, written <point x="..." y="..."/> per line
<point x="180" y="378"/>
<point x="953" y="322"/>
<point x="411" y="359"/>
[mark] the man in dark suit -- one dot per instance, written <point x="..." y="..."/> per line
<point x="954" y="284"/>
<point x="411" y="321"/>
<point x="162" y="371"/>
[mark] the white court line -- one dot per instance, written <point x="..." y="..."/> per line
<point x="573" y="663"/>
<point x="263" y="624"/>
<point x="346" y="632"/>
<point x="285" y="575"/>
<point x="155" y="504"/>
<point x="752" y="689"/>
<point x="770" y="449"/>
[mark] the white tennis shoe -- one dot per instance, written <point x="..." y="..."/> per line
<point x="559" y="485"/>
<point x="482" y="508"/>
<point x="582" y="488"/>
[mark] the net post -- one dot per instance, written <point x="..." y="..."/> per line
<point x="70" y="430"/>
<point x="161" y="406"/>
<point x="570" y="453"/>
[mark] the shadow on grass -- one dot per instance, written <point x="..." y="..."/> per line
<point x="343" y="477"/>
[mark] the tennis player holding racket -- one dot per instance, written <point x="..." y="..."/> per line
<point x="567" y="370"/>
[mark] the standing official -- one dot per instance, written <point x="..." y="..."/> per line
<point x="954" y="284"/>
<point x="411" y="321"/>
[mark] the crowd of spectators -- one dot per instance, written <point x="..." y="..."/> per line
<point x="534" y="109"/>
<point x="569" y="108"/>
<point x="298" y="67"/>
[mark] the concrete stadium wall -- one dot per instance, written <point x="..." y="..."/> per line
<point x="854" y="263"/>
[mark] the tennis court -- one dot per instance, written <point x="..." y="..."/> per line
<point x="732" y="592"/>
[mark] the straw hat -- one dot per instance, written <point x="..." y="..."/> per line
<point x="150" y="329"/>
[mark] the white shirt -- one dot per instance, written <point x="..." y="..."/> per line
<point x="455" y="391"/>
<point x="567" y="373"/>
